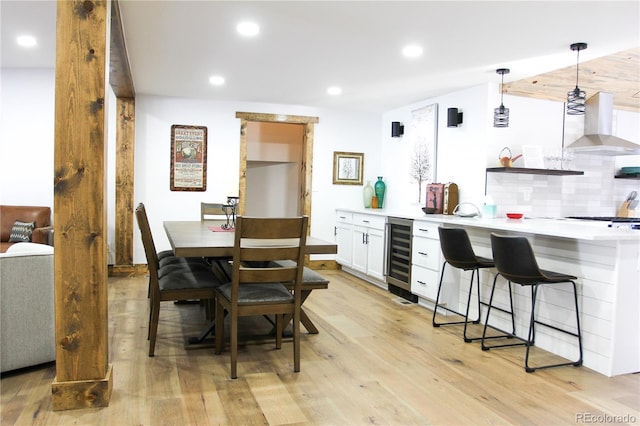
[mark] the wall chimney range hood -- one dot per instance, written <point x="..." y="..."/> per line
<point x="597" y="139"/>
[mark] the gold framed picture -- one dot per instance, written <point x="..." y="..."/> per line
<point x="188" y="158"/>
<point x="348" y="168"/>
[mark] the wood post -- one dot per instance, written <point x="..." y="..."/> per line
<point x="125" y="133"/>
<point x="83" y="375"/>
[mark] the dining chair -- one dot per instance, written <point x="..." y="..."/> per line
<point x="516" y="262"/>
<point x="212" y="209"/>
<point x="258" y="286"/>
<point x="172" y="282"/>
<point x="167" y="261"/>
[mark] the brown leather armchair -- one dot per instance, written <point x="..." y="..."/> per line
<point x="40" y="215"/>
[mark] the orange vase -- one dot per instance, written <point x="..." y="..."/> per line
<point x="374" y="202"/>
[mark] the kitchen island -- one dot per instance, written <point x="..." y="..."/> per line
<point x="606" y="262"/>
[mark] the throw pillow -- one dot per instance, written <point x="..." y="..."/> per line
<point x="21" y="231"/>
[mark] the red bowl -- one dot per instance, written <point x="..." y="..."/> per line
<point x="514" y="215"/>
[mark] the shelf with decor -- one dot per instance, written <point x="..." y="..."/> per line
<point x="523" y="170"/>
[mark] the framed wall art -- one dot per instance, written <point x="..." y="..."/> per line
<point x="188" y="158"/>
<point x="348" y="168"/>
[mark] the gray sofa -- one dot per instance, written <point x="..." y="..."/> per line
<point x="27" y="330"/>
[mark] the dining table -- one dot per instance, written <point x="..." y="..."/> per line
<point x="210" y="240"/>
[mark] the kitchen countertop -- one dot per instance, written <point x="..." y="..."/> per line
<point x="560" y="227"/>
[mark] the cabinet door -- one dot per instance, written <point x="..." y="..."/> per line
<point x="344" y="242"/>
<point x="359" y="258"/>
<point x="375" y="253"/>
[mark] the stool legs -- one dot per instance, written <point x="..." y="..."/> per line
<point x="505" y="334"/>
<point x="530" y="341"/>
<point x="531" y="338"/>
<point x="474" y="272"/>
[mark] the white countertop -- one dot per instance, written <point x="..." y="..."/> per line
<point x="563" y="228"/>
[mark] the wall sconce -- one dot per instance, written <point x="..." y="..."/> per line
<point x="397" y="129"/>
<point x="454" y="118"/>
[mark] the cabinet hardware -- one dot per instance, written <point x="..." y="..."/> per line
<point x="423" y="230"/>
<point x="422" y="253"/>
<point x="335" y="231"/>
<point x="421" y="282"/>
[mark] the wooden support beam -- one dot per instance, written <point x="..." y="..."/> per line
<point x="83" y="375"/>
<point x="120" y="78"/>
<point x="125" y="135"/>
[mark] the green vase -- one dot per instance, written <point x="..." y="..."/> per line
<point x="379" y="188"/>
<point x="367" y="193"/>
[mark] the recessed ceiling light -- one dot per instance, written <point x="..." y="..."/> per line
<point x="26" y="41"/>
<point x="412" y="51"/>
<point x="216" y="80"/>
<point x="248" y="29"/>
<point x="334" y="90"/>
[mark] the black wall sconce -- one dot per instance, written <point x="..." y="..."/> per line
<point x="397" y="129"/>
<point x="454" y="118"/>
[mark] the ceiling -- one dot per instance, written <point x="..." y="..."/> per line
<point x="306" y="46"/>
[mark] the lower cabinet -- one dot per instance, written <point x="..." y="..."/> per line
<point x="364" y="250"/>
<point x="426" y="259"/>
<point x="343" y="236"/>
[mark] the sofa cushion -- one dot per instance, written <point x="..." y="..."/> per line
<point x="41" y="215"/>
<point x="21" y="231"/>
<point x="27" y="249"/>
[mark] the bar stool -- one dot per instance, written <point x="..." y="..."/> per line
<point x="457" y="251"/>
<point x="516" y="262"/>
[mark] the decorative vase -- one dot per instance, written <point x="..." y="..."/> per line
<point x="380" y="187"/>
<point x="367" y="193"/>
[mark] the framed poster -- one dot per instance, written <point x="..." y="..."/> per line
<point x="348" y="168"/>
<point x="188" y="158"/>
<point x="424" y="137"/>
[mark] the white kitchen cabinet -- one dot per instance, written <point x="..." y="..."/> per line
<point x="368" y="245"/>
<point x="343" y="236"/>
<point x="426" y="260"/>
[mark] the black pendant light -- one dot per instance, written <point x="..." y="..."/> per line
<point x="501" y="114"/>
<point x="576" y="97"/>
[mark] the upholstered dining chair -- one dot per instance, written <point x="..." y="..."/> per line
<point x="180" y="281"/>
<point x="167" y="261"/>
<point x="258" y="285"/>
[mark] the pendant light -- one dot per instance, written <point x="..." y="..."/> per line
<point x="576" y="97"/>
<point x="501" y="114"/>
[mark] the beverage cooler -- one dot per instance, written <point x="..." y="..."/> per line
<point x="399" y="257"/>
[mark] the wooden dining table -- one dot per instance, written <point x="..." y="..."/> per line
<point x="207" y="239"/>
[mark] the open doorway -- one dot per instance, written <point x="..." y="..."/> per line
<point x="277" y="165"/>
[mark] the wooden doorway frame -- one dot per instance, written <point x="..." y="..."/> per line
<point x="306" y="166"/>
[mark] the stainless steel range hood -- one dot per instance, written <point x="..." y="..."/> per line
<point x="597" y="139"/>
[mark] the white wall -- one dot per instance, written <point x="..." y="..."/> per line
<point x="26" y="136"/>
<point x="336" y="131"/>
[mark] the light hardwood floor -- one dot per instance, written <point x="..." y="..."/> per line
<point x="376" y="361"/>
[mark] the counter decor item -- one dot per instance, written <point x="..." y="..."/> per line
<point x="380" y="188"/>
<point x="367" y="193"/>
<point x="507" y="161"/>
<point x="374" y="202"/>
<point x="514" y="215"/>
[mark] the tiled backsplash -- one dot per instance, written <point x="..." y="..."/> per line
<point x="596" y="193"/>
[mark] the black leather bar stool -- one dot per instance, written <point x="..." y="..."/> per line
<point x="458" y="253"/>
<point x="516" y="262"/>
